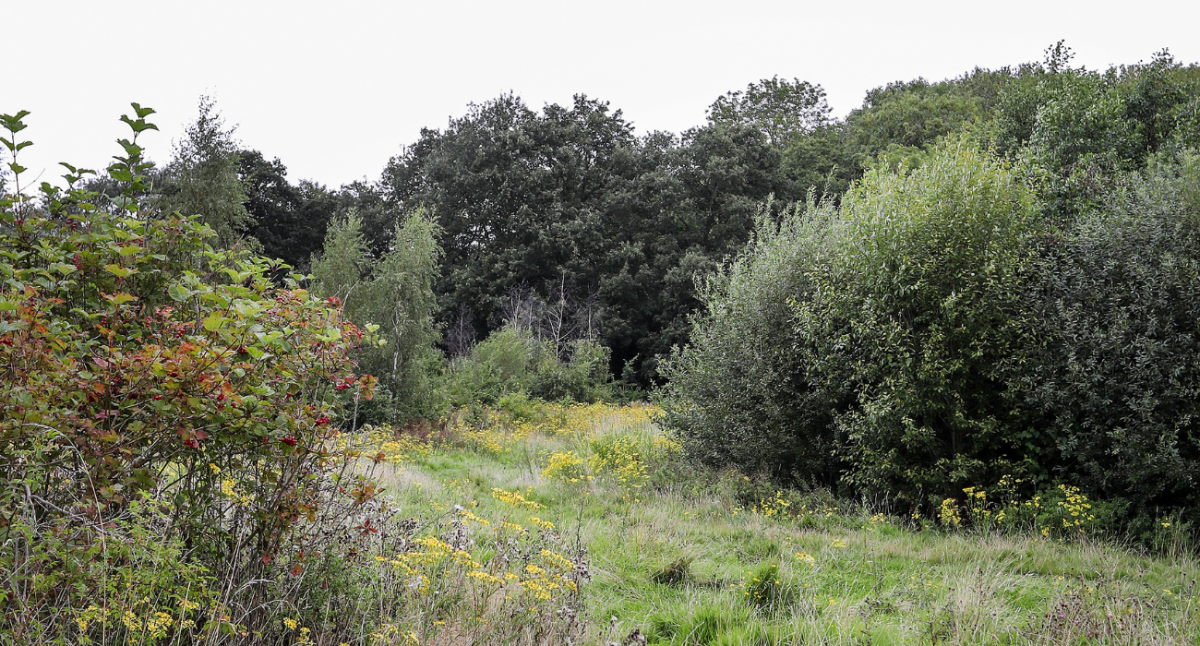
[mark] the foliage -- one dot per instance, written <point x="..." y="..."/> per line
<point x="513" y="362"/>
<point x="345" y="263"/>
<point x="534" y="201"/>
<point x="783" y="109"/>
<point x="394" y="292"/>
<point x="515" y="195"/>
<point x="137" y="361"/>
<point x="288" y="220"/>
<point x="202" y="178"/>
<point x="740" y="394"/>
<point x="915" y="311"/>
<point x="911" y="117"/>
<point x="871" y="333"/>
<point x="1113" y="339"/>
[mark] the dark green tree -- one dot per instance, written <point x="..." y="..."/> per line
<point x="517" y="196"/>
<point x="289" y="220"/>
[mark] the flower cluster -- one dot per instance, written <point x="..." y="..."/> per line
<point x="566" y="467"/>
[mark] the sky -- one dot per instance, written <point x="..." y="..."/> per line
<point x="334" y="89"/>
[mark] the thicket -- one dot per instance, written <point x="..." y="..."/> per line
<point x="871" y="334"/>
<point x="937" y="331"/>
<point x="1008" y="290"/>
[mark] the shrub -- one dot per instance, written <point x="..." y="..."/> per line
<point x="137" y="361"/>
<point x="915" y="311"/>
<point x="864" y="343"/>
<point x="497" y="366"/>
<point x="583" y="377"/>
<point x="511" y="361"/>
<point x="741" y="394"/>
<point x="1114" y="339"/>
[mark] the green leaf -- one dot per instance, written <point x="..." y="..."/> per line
<point x="118" y="270"/>
<point x="142" y="113"/>
<point x="178" y="293"/>
<point x="213" y="322"/>
<point x="7" y="305"/>
<point x="121" y="299"/>
<point x="130" y="250"/>
<point x="10" y="120"/>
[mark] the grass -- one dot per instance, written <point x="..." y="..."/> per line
<point x="676" y="555"/>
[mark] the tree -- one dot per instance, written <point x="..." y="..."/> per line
<point x="394" y="293"/>
<point x="518" y="197"/>
<point x="1111" y="355"/>
<point x="782" y="110"/>
<point x="202" y="178"/>
<point x="691" y="204"/>
<point x="289" y="220"/>
<point x="399" y="298"/>
<point x="344" y="263"/>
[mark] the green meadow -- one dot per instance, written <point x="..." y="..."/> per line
<point x="678" y="555"/>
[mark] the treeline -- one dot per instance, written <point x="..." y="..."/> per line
<point x="1019" y="301"/>
<point x="569" y="200"/>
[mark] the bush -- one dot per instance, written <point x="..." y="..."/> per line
<point x="863" y="343"/>
<point x="583" y="377"/>
<point x="741" y="394"/>
<point x="915" y="311"/>
<point x="141" y="368"/>
<point x="497" y="366"/>
<point x="1114" y="338"/>
<point x="511" y="361"/>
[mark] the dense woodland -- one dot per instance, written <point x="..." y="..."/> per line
<point x="991" y="278"/>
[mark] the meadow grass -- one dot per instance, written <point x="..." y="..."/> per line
<point x="679" y="555"/>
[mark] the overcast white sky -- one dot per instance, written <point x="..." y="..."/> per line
<point x="336" y="88"/>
